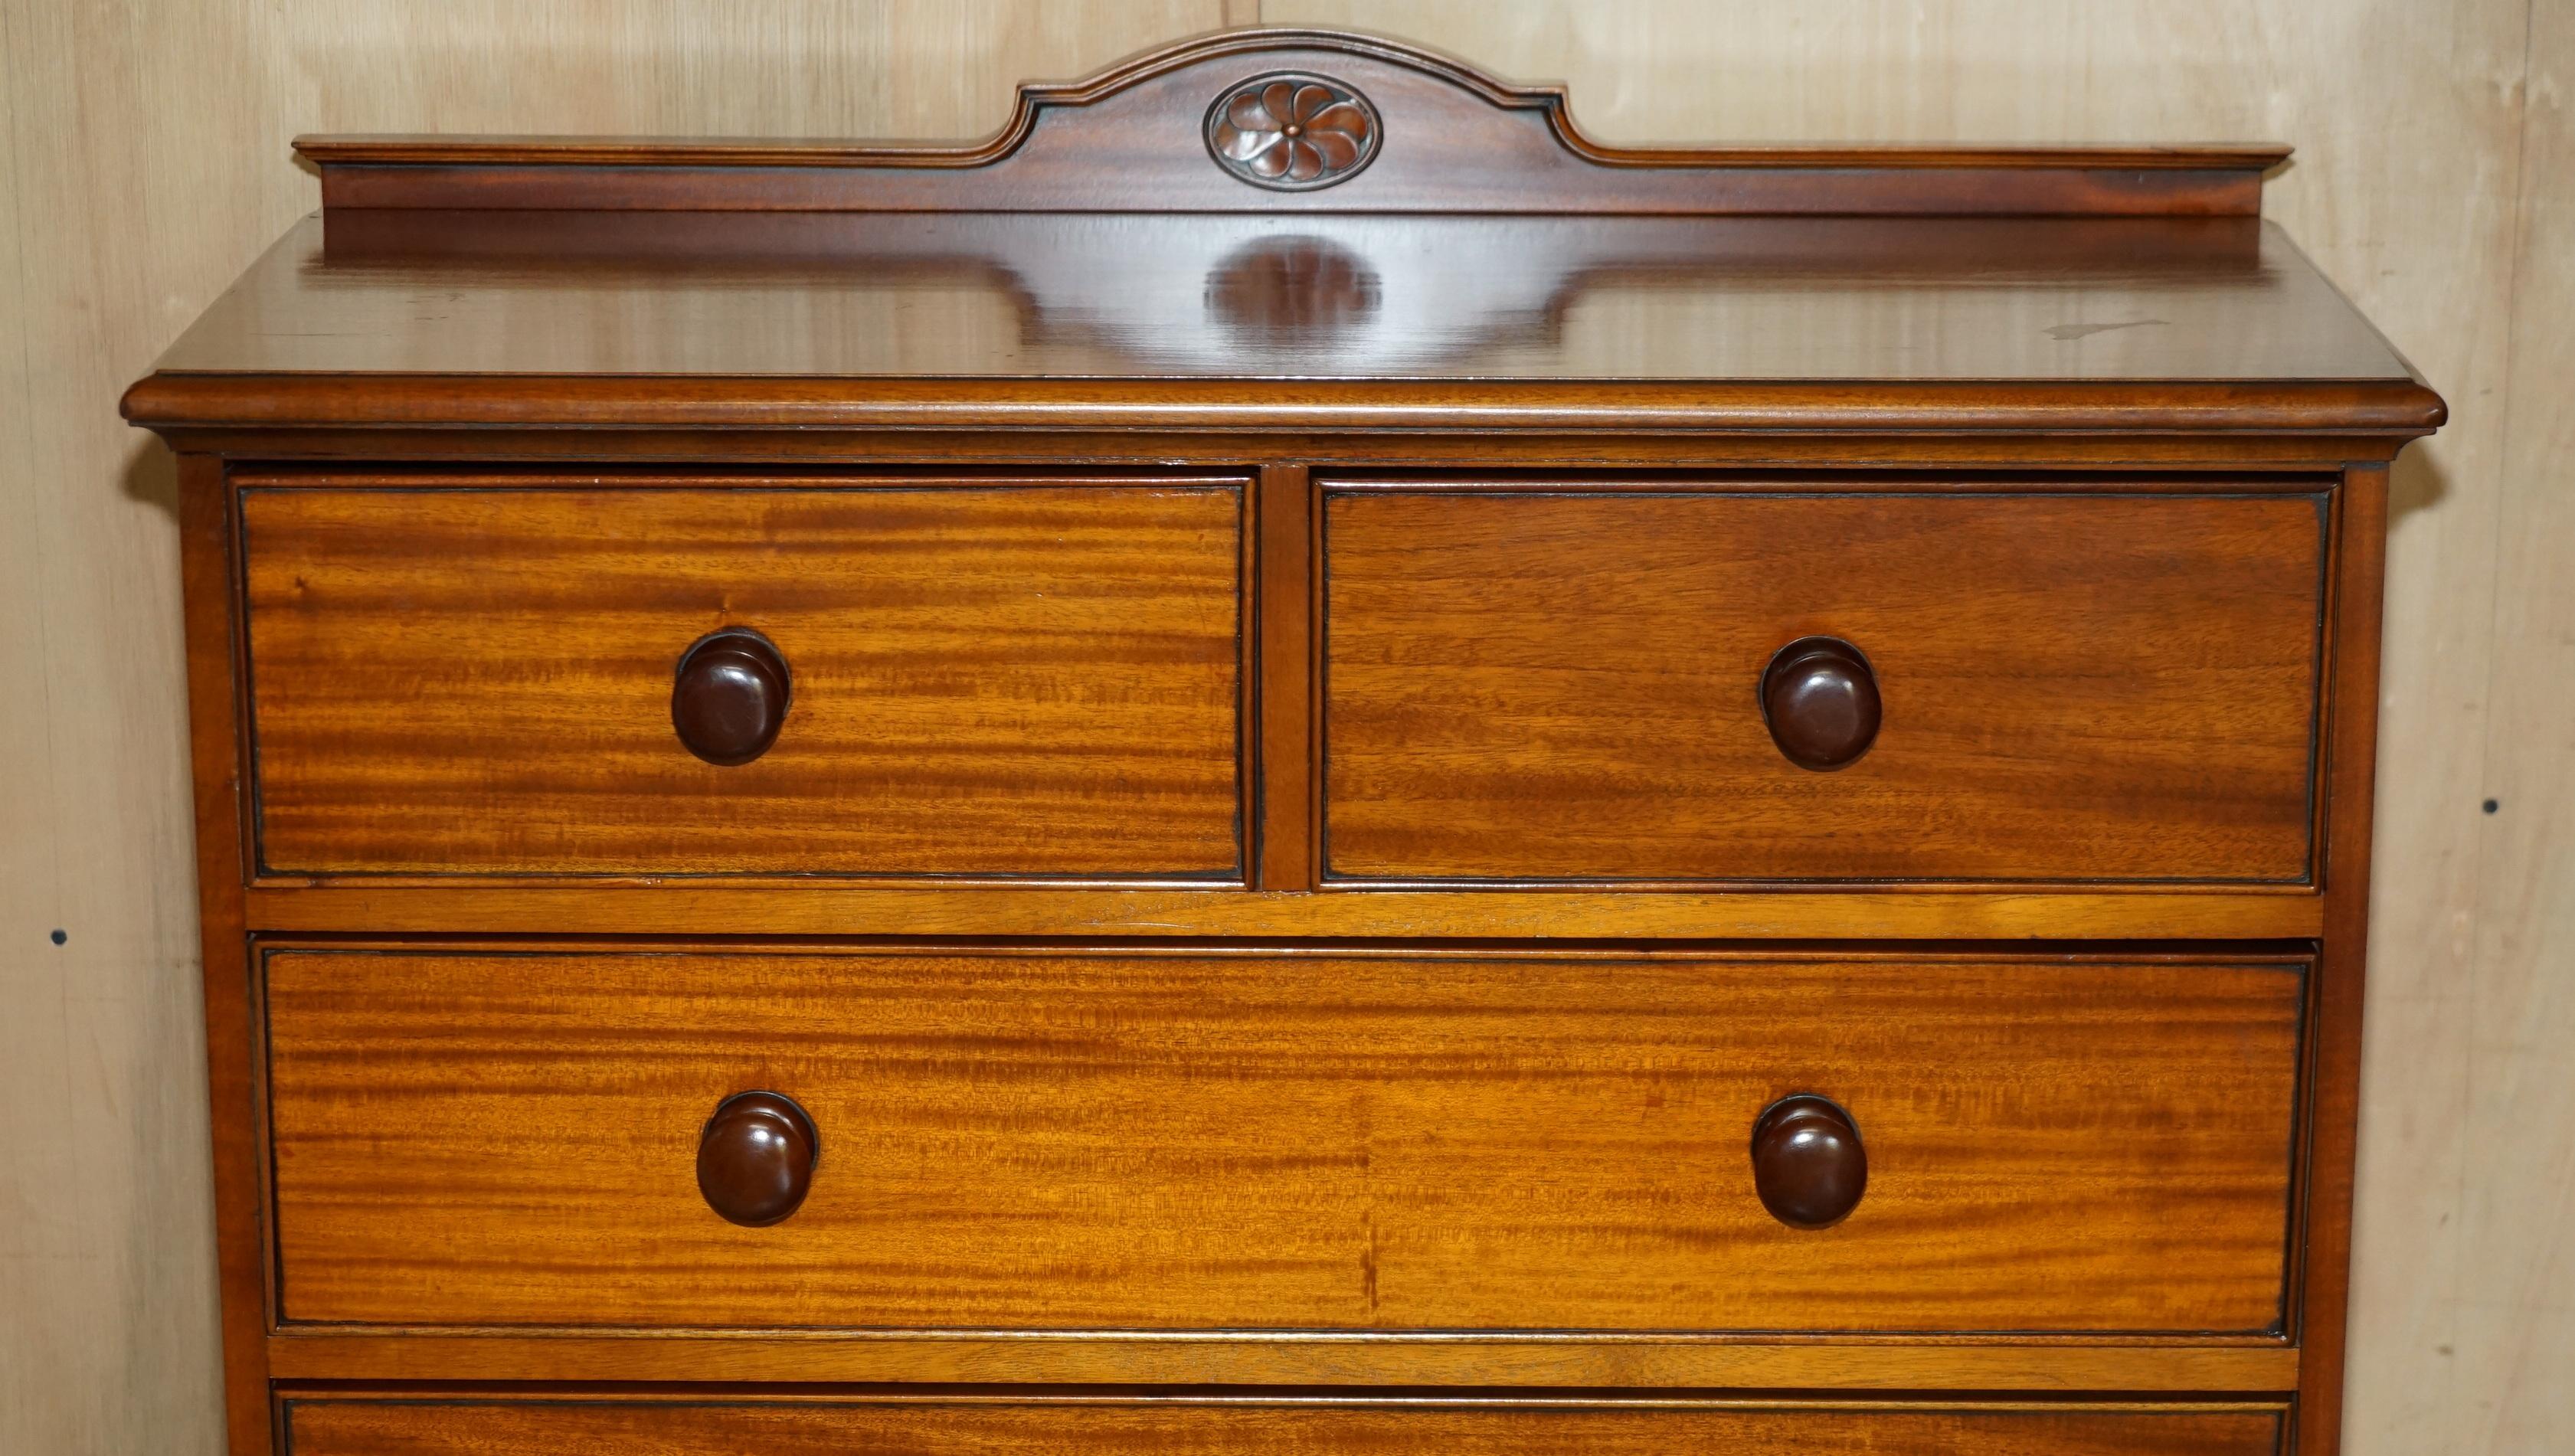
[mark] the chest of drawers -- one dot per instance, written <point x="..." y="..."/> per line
<point x="1288" y="762"/>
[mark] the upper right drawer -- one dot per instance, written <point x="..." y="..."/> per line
<point x="1597" y="681"/>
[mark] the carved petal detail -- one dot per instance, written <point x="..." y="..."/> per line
<point x="1293" y="131"/>
<point x="1342" y="117"/>
<point x="1340" y="150"/>
<point x="1243" y="145"/>
<point x="1245" y="113"/>
<point x="1279" y="98"/>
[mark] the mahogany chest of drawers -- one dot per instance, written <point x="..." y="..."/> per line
<point x="1288" y="761"/>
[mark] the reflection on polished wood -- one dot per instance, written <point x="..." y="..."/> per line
<point x="1071" y="296"/>
<point x="756" y="1158"/>
<point x="1808" y="1163"/>
<point x="729" y="697"/>
<point x="1819" y="698"/>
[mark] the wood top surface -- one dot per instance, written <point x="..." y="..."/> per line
<point x="1441" y="250"/>
<point x="1198" y="297"/>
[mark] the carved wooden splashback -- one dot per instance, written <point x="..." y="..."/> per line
<point x="1282" y="121"/>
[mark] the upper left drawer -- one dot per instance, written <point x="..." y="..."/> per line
<point x="1036" y="677"/>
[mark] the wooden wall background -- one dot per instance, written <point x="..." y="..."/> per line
<point x="146" y="163"/>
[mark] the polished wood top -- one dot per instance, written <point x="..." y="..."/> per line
<point x="1330" y="321"/>
<point x="1286" y="230"/>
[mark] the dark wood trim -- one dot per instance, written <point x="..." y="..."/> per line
<point x="1718" y="479"/>
<point x="1729" y="189"/>
<point x="1303" y="1358"/>
<point x="1249" y="850"/>
<point x="2200" y="952"/>
<point x="395" y="475"/>
<point x="1548" y="100"/>
<point x="2333" y="1111"/>
<point x="206" y="555"/>
<point x="1030" y="449"/>
<point x="2400" y="408"/>
<point x="486" y="246"/>
<point x="1286" y="671"/>
<point x="985" y="1393"/>
<point x="1128" y="136"/>
<point x="438" y="149"/>
<point x="1339" y="1419"/>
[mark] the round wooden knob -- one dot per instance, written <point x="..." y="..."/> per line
<point x="1807" y="1162"/>
<point x="1820" y="699"/>
<point x="756" y="1158"/>
<point x="729" y="699"/>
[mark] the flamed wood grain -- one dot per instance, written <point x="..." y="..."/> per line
<point x="1002" y="677"/>
<point x="1130" y="1139"/>
<point x="1564" y="686"/>
<point x="484" y="1427"/>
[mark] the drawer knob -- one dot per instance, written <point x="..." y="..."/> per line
<point x="756" y="1158"/>
<point x="1807" y="1162"/>
<point x="729" y="697"/>
<point x="1820" y="699"/>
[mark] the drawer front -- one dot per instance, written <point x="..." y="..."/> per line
<point x="984" y="678"/>
<point x="450" y="1426"/>
<point x="1568" y="685"/>
<point x="1185" y="1139"/>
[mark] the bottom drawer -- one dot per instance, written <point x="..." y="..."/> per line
<point x="468" y="1427"/>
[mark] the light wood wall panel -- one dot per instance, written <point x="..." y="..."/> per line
<point x="2510" y="1375"/>
<point x="145" y="162"/>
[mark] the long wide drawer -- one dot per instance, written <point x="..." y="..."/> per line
<point x="1173" y="1139"/>
<point x="1576" y="683"/>
<point x="514" y="676"/>
<point x="701" y="1426"/>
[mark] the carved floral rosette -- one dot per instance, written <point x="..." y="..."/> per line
<point x="1292" y="132"/>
